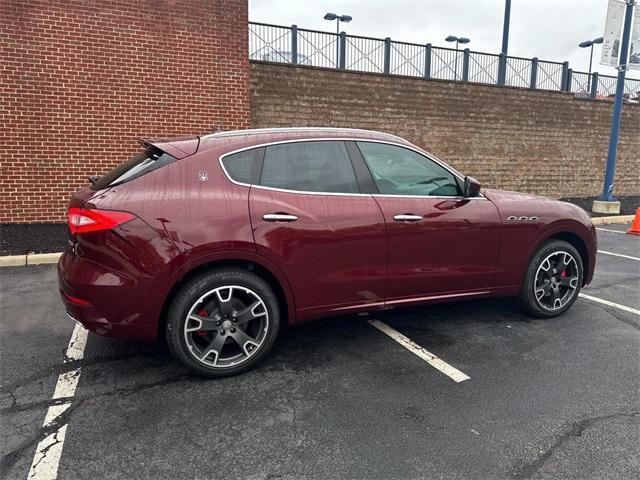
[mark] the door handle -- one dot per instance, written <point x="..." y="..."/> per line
<point x="279" y="217"/>
<point x="407" y="217"/>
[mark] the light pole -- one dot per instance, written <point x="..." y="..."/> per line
<point x="505" y="27"/>
<point x="340" y="18"/>
<point x="587" y="44"/>
<point x="607" y="203"/>
<point x="502" y="65"/>
<point x="463" y="40"/>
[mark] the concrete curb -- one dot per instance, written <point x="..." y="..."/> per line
<point x="42" y="258"/>
<point x="29" y="259"/>
<point x="618" y="219"/>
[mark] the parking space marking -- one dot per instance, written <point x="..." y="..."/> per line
<point x="611" y="230"/>
<point x="436" y="362"/>
<point x="611" y="304"/>
<point x="619" y="255"/>
<point x="47" y="457"/>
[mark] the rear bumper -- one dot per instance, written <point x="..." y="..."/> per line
<point x="106" y="302"/>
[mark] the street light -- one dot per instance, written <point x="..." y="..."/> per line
<point x="340" y="18"/>
<point x="463" y="40"/>
<point x="587" y="44"/>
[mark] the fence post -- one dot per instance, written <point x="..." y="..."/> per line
<point x="594" y="85"/>
<point x="427" y="61"/>
<point x="465" y="65"/>
<point x="294" y="44"/>
<point x="569" y="75"/>
<point x="343" y="51"/>
<point x="502" y="69"/>
<point x="534" y="73"/>
<point x="387" y="55"/>
<point x="565" y="77"/>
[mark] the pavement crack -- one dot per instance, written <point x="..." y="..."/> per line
<point x="23" y="407"/>
<point x="576" y="429"/>
<point x="617" y="315"/>
<point x="10" y="458"/>
<point x="18" y="407"/>
<point x="14" y="400"/>
<point x="65" y="367"/>
<point x="45" y="451"/>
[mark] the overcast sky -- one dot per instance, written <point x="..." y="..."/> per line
<point x="548" y="29"/>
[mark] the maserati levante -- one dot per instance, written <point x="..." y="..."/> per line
<point x="215" y="241"/>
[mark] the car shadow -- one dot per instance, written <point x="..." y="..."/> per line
<point x="335" y="339"/>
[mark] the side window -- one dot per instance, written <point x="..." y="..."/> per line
<point x="400" y="171"/>
<point x="322" y="166"/>
<point x="244" y="167"/>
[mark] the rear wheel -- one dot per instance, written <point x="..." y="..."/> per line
<point x="553" y="280"/>
<point x="223" y="322"/>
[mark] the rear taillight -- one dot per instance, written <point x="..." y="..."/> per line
<point x="84" y="220"/>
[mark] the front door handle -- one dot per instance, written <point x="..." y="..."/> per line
<point x="407" y="217"/>
<point x="279" y="217"/>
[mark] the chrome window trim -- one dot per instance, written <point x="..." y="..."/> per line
<point x="344" y="139"/>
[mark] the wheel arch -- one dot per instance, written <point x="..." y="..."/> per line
<point x="579" y="244"/>
<point x="573" y="239"/>
<point x="244" y="260"/>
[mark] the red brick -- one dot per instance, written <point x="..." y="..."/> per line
<point x="80" y="82"/>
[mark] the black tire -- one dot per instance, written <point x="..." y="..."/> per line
<point x="527" y="297"/>
<point x="187" y="299"/>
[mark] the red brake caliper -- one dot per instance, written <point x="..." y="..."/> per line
<point x="564" y="274"/>
<point x="203" y="313"/>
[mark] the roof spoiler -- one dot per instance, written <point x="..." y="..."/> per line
<point x="178" y="147"/>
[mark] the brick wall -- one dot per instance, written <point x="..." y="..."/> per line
<point x="538" y="142"/>
<point x="81" y="81"/>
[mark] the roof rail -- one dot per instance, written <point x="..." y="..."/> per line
<point x="271" y="131"/>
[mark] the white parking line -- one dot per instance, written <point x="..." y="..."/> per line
<point x="611" y="230"/>
<point x="619" y="255"/>
<point x="47" y="457"/>
<point x="611" y="304"/>
<point x="437" y="363"/>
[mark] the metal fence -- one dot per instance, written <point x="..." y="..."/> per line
<point x="275" y="43"/>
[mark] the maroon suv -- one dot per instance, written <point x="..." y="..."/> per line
<point x="215" y="241"/>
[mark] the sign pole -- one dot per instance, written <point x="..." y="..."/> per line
<point x="607" y="191"/>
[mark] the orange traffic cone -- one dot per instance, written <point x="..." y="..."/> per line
<point x="635" y="226"/>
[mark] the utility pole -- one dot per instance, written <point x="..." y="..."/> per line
<point x="607" y="203"/>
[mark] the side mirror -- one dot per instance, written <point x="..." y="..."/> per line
<point x="471" y="187"/>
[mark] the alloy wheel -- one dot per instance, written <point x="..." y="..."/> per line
<point x="226" y="326"/>
<point x="556" y="280"/>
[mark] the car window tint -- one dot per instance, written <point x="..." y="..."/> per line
<point x="244" y="167"/>
<point x="322" y="166"/>
<point x="400" y="171"/>
<point x="148" y="160"/>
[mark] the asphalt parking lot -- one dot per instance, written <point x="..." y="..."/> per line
<point x="338" y="398"/>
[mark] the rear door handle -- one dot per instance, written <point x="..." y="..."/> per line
<point x="407" y="217"/>
<point x="279" y="217"/>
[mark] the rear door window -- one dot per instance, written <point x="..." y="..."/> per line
<point x="321" y="166"/>
<point x="144" y="162"/>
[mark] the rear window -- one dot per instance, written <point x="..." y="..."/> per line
<point x="144" y="162"/>
<point x="244" y="167"/>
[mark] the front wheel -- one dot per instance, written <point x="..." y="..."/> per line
<point x="553" y="280"/>
<point x="223" y="322"/>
